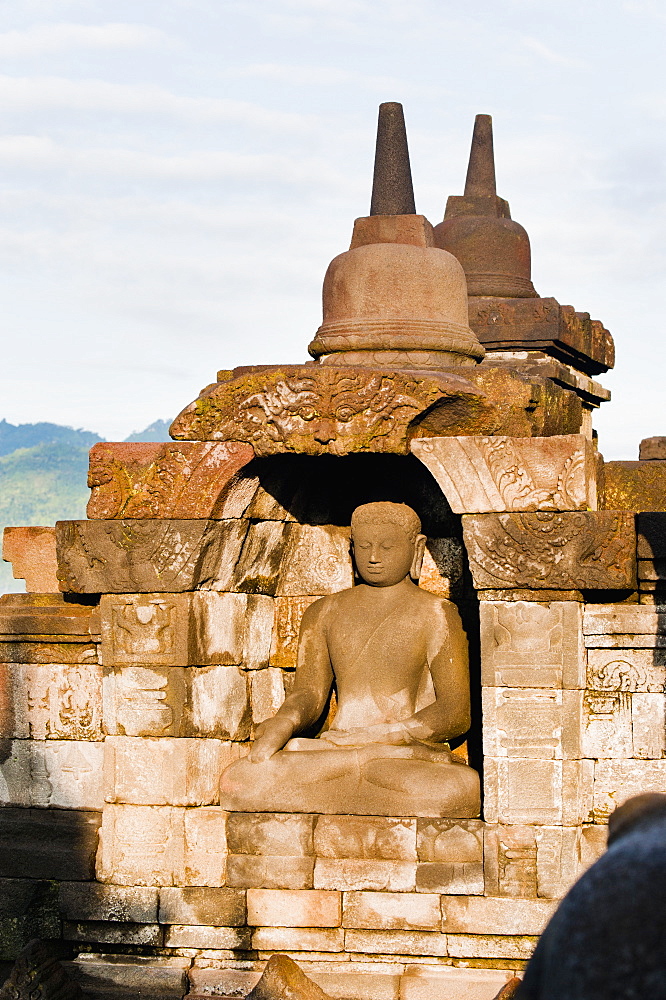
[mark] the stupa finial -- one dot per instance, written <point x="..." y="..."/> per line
<point x="480" y="181"/>
<point x="392" y="191"/>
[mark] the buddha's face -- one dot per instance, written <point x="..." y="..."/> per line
<point x="384" y="554"/>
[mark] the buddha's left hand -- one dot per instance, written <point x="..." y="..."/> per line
<point x="388" y="733"/>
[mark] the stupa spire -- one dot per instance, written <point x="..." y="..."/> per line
<point x="392" y="190"/>
<point x="480" y="181"/>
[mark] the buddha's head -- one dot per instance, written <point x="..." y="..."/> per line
<point x="387" y="543"/>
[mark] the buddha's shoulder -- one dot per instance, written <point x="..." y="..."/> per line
<point x="330" y="604"/>
<point x="434" y="603"/>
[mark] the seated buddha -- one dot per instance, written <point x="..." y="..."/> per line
<point x="397" y="658"/>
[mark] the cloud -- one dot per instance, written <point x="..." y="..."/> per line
<point x="37" y="154"/>
<point x="41" y="39"/>
<point x="544" y="52"/>
<point x="47" y="93"/>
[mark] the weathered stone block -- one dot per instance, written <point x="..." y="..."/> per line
<point x="205" y="846"/>
<point x="636" y="486"/>
<point x="528" y="861"/>
<point x="273" y="834"/>
<point x="510" y="861"/>
<point x="620" y="619"/>
<point x="648" y="723"/>
<point x="175" y="701"/>
<point x="316" y="560"/>
<point x="358" y="873"/>
<point x="268" y="693"/>
<point x="406" y="911"/>
<point x="141" y="845"/>
<point x="257" y="568"/>
<point x="293" y="908"/>
<point x="14" y="723"/>
<point x="450" y="877"/>
<point x="322" y="939"/>
<point x="147" y="556"/>
<point x="607" y="724"/>
<point x="538" y="792"/>
<point x="45" y="617"/>
<point x="51" y="701"/>
<point x="65" y="773"/>
<point x="484" y="474"/>
<point x="182" y="772"/>
<point x="142" y="479"/>
<point x="651" y="533"/>
<point x="617" y="780"/>
<point x="113" y="933"/>
<point x="220" y="907"/>
<point x="48" y="843"/>
<point x="218" y="703"/>
<point x="162" y="846"/>
<point x="542" y="550"/>
<point x="85" y="901"/>
<point x="130" y="975"/>
<point x="32" y="553"/>
<point x="558" y="860"/>
<point x="532" y="722"/>
<point x="626" y="670"/>
<point x="357" y="980"/>
<point x="338" y="411"/>
<point x="288" y="614"/>
<point x="652" y="448"/>
<point x="591" y="846"/>
<point x="145" y="701"/>
<point x="44" y="650"/>
<point x="442" y="568"/>
<point x="181" y="629"/>
<point x="28" y="910"/>
<point x="525" y="644"/>
<point x="372" y="837"/>
<point x="450" y="841"/>
<point x="221" y="982"/>
<point x="419" y="943"/>
<point x="217" y="938"/>
<point x="247" y="871"/>
<point x="488" y="915"/>
<point x="489" y="946"/>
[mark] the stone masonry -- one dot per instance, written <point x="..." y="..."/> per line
<point x="156" y="635"/>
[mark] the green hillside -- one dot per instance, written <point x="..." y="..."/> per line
<point x="47" y="481"/>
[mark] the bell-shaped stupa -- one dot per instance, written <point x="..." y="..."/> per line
<point x="478" y="229"/>
<point x="394" y="298"/>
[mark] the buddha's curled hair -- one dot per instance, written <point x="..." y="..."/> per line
<point x="384" y="512"/>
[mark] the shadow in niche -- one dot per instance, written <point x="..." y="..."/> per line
<point x="326" y="489"/>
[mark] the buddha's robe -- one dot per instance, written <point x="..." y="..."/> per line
<point x="384" y="753"/>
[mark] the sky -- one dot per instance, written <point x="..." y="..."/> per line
<point x="176" y="175"/>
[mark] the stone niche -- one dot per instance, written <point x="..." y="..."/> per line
<point x="173" y="635"/>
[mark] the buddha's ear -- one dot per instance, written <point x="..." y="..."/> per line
<point x="419" y="550"/>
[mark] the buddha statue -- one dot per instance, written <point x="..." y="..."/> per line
<point x="397" y="658"/>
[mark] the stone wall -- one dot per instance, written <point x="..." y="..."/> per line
<point x="118" y="713"/>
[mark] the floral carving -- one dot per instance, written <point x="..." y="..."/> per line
<point x="162" y="480"/>
<point x="317" y="410"/>
<point x="546" y="550"/>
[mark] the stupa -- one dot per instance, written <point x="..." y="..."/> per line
<point x="462" y="414"/>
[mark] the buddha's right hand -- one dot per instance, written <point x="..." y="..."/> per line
<point x="270" y="737"/>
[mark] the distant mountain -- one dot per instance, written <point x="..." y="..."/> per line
<point x="13" y="436"/>
<point x="43" y="476"/>
<point x="158" y="431"/>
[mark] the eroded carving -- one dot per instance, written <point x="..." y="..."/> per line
<point x="545" y="550"/>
